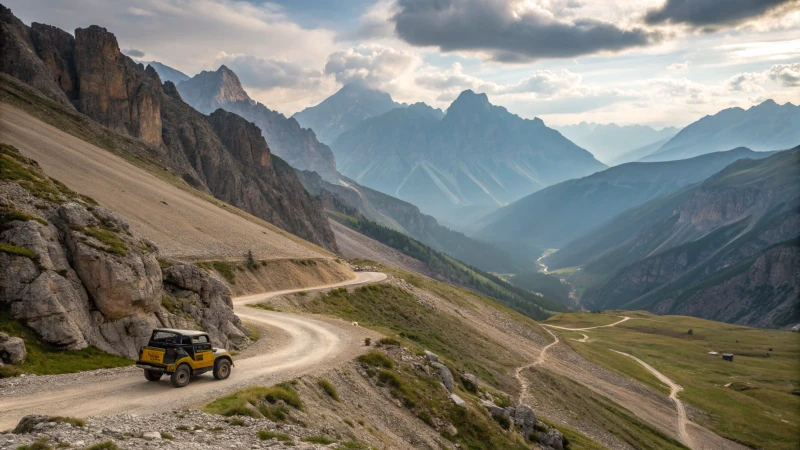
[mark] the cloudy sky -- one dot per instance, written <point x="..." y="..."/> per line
<point x="660" y="62"/>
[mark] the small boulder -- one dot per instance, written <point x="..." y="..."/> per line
<point x="458" y="400"/>
<point x="432" y="357"/>
<point x="12" y="349"/>
<point x="470" y="382"/>
<point x="152" y="436"/>
<point x="445" y="375"/>
<point x="551" y="439"/>
<point x="29" y="422"/>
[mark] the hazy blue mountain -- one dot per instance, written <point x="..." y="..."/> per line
<point x="208" y="91"/>
<point x="558" y="214"/>
<point x="768" y="126"/>
<point x="608" y="142"/>
<point x="341" y="111"/>
<point x="167" y="73"/>
<point x="639" y="153"/>
<point x="477" y="155"/>
<point x="724" y="249"/>
<point x="406" y="218"/>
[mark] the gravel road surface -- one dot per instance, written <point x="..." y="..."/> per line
<point x="315" y="344"/>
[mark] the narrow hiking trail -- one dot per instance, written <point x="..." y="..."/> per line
<point x="309" y="344"/>
<point x="673" y="394"/>
<point x="523" y="383"/>
<point x="624" y="319"/>
<point x="674" y="387"/>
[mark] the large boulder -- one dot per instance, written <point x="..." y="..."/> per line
<point x="12" y="349"/>
<point x="551" y="439"/>
<point x="524" y="418"/>
<point x="29" y="422"/>
<point x="445" y="376"/>
<point x="121" y="273"/>
<point x="204" y="302"/>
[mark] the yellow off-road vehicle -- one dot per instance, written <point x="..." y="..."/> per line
<point x="182" y="354"/>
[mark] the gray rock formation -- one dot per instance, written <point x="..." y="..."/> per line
<point x="470" y="382"/>
<point x="432" y="357"/>
<point x="20" y="60"/>
<point x="445" y="375"/>
<point x="458" y="401"/>
<point x="12" y="349"/>
<point x="73" y="272"/>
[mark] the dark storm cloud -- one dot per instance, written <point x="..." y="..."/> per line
<point x="493" y="26"/>
<point x="133" y="53"/>
<point x="713" y="13"/>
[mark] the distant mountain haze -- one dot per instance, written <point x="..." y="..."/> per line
<point x="477" y="155"/>
<point x="343" y="110"/>
<point x="208" y="91"/>
<point x="608" y="142"/>
<point x="764" y="127"/>
<point x="556" y="215"/>
<point x="639" y="153"/>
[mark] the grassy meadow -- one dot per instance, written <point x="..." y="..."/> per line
<point x="753" y="400"/>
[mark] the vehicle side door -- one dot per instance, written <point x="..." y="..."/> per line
<point x="203" y="354"/>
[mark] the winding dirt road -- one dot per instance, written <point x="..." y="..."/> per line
<point x="313" y="344"/>
<point x="683" y="421"/>
<point x="673" y="394"/>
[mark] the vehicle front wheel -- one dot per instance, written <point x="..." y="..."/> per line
<point x="153" y="375"/>
<point x="222" y="369"/>
<point x="181" y="376"/>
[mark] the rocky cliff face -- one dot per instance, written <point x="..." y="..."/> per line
<point x="715" y="238"/>
<point x="90" y="73"/>
<point x="113" y="90"/>
<point x="73" y="272"/>
<point x="298" y="146"/>
<point x="20" y="58"/>
<point x="762" y="292"/>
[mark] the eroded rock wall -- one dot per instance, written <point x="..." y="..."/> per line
<point x="74" y="273"/>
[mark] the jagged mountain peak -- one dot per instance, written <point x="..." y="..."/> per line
<point x="354" y="102"/>
<point x="208" y="91"/>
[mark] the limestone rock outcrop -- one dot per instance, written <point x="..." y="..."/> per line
<point x="74" y="273"/>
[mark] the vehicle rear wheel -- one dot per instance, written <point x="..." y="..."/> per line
<point x="181" y="376"/>
<point x="153" y="375"/>
<point x="222" y="369"/>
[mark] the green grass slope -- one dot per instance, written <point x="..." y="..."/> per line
<point x="753" y="400"/>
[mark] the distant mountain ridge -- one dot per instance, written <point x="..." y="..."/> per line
<point x="558" y="214"/>
<point x="608" y="142"/>
<point x="477" y="154"/>
<point x="340" y="112"/>
<point x="764" y="127"/>
<point x="167" y="73"/>
<point x="208" y="91"/>
<point x="724" y="249"/>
